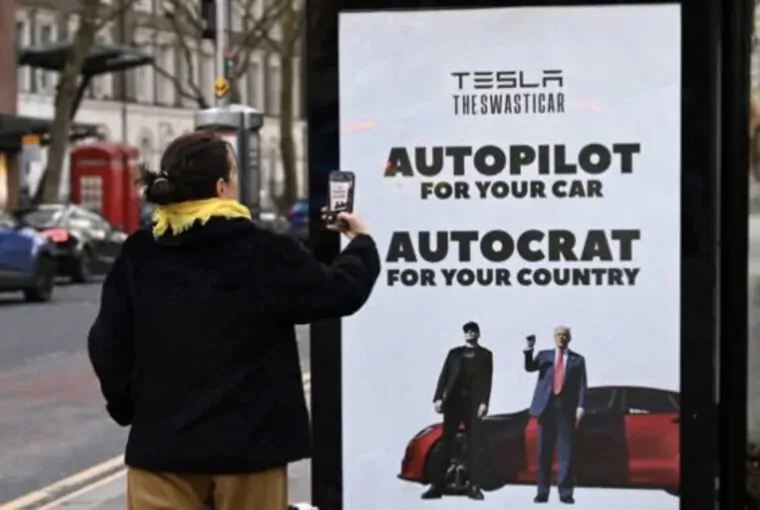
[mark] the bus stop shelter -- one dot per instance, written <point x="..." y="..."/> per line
<point x="101" y="59"/>
<point x="14" y="127"/>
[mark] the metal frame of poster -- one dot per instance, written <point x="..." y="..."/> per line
<point x="714" y="114"/>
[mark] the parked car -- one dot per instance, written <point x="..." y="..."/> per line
<point x="298" y="218"/>
<point x="85" y="243"/>
<point x="628" y="437"/>
<point x="27" y="261"/>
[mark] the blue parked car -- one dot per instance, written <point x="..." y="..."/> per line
<point x="298" y="218"/>
<point x="27" y="261"/>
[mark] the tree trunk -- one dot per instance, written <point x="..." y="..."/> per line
<point x="12" y="181"/>
<point x="287" y="143"/>
<point x="288" y="23"/>
<point x="65" y="96"/>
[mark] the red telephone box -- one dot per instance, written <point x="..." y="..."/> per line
<point x="103" y="179"/>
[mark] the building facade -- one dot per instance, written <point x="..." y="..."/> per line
<point x="149" y="106"/>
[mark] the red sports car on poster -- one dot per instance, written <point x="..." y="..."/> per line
<point x="628" y="437"/>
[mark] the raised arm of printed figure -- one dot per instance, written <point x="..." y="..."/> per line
<point x="531" y="364"/>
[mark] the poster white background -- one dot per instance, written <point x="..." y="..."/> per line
<point x="622" y="84"/>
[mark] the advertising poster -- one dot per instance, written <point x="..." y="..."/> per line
<point x="520" y="171"/>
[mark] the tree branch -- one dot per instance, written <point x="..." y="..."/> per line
<point x="188" y="56"/>
<point x="179" y="89"/>
<point x="109" y="14"/>
<point x="182" y="11"/>
<point x="291" y="21"/>
<point x="256" y="31"/>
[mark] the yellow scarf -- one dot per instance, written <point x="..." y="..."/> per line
<point x="180" y="217"/>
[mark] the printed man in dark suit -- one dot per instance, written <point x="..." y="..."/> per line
<point x="558" y="402"/>
<point x="462" y="395"/>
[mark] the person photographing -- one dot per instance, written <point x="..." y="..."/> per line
<point x="194" y="344"/>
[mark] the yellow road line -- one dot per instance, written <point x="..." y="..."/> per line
<point x="66" y="484"/>
<point x="84" y="490"/>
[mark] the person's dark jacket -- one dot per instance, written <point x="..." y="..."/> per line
<point x="195" y="346"/>
<point x="452" y="370"/>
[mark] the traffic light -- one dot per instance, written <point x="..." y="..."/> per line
<point x="208" y="18"/>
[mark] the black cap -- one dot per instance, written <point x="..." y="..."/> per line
<point x="471" y="327"/>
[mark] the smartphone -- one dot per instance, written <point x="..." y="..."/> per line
<point x="341" y="192"/>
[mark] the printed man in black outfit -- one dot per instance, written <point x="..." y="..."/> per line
<point x="462" y="395"/>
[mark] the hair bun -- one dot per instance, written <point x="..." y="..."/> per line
<point x="161" y="191"/>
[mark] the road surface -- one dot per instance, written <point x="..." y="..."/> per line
<point x="52" y="418"/>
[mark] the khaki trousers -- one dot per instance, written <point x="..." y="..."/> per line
<point x="265" y="490"/>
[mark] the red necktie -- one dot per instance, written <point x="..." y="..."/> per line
<point x="559" y="373"/>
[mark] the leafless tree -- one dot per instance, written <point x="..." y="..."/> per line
<point x="186" y="23"/>
<point x="94" y="15"/>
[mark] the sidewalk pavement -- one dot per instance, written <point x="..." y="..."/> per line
<point x="111" y="495"/>
<point x="754" y="245"/>
<point x="753" y="362"/>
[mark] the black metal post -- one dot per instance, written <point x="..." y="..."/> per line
<point x="733" y="210"/>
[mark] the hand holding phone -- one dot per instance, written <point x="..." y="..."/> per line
<point x="348" y="224"/>
<point x="339" y="214"/>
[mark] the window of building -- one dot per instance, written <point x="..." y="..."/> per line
<point x="101" y="86"/>
<point x="238" y="16"/>
<point x="144" y="76"/>
<point x="188" y="68"/>
<point x="166" y="92"/>
<point x="63" y="27"/>
<point x="46" y="34"/>
<point x="305" y="143"/>
<point x="73" y="24"/>
<point x="144" y="5"/>
<point x="206" y="80"/>
<point x="183" y="69"/>
<point x="22" y="40"/>
<point x="195" y="61"/>
<point x="274" y="179"/>
<point x="145" y="145"/>
<point x="45" y="79"/>
<point x="297" y="92"/>
<point x="242" y="89"/>
<point x="254" y="85"/>
<point x="273" y="89"/>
